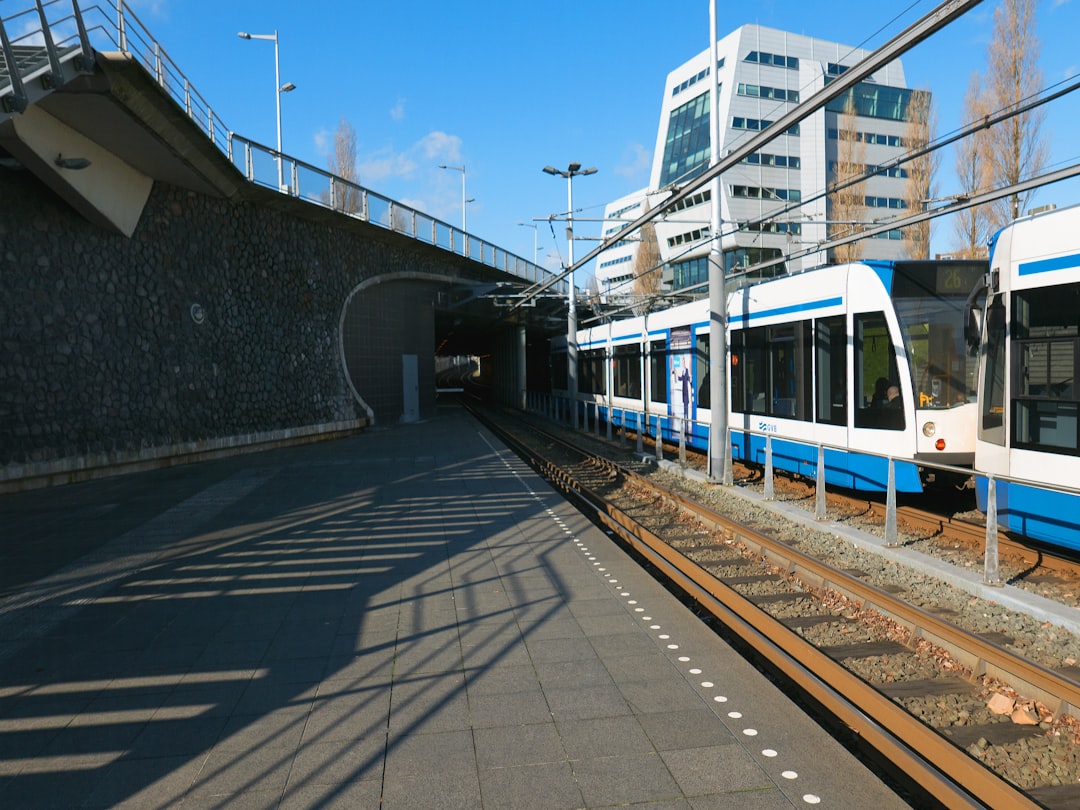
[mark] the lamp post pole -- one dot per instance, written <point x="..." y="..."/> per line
<point x="464" y="201"/>
<point x="719" y="447"/>
<point x="571" y="306"/>
<point x="279" y="88"/>
<point x="535" y="248"/>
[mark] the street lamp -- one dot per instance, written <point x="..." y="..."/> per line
<point x="464" y="201"/>
<point x="279" y="88"/>
<point x="531" y="225"/>
<point x="571" y="171"/>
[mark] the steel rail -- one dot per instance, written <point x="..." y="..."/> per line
<point x="942" y="769"/>
<point x="981" y="656"/>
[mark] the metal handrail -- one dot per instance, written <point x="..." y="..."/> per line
<point x="114" y="25"/>
<point x="551" y="405"/>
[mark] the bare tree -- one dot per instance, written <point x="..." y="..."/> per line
<point x="342" y="163"/>
<point x="848" y="201"/>
<point x="592" y="294"/>
<point x="647" y="262"/>
<point x="920" y="170"/>
<point x="972" y="225"/>
<point x="1017" y="149"/>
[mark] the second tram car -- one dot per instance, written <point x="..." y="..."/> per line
<point x="867" y="358"/>
<point x="1029" y="400"/>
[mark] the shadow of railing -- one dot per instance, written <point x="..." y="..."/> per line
<point x="312" y="621"/>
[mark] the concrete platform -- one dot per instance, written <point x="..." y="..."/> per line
<point x="409" y="618"/>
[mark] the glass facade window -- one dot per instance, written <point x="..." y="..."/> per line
<point x="781" y="161"/>
<point x="619" y="260"/>
<point x="689" y="237"/>
<point x="885" y="202"/>
<point x="698" y="198"/>
<point x="775" y="59"/>
<point x="686" y="145"/>
<point x="868" y="137"/>
<point x="880" y="171"/>
<point x="770" y="226"/>
<point x="623" y="210"/>
<point x="736" y="260"/>
<point x="756" y="193"/>
<point x="874" y="101"/>
<point x="776" y="93"/>
<point x="689" y="273"/>
<point x="758" y="124"/>
<point x="689" y="82"/>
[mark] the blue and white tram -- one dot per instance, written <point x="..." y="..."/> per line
<point x="812" y="358"/>
<point x="1029" y="401"/>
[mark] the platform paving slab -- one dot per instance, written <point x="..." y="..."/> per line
<point x="406" y="618"/>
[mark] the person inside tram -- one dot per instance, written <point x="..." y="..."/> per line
<point x="880" y="396"/>
<point x="892" y="397"/>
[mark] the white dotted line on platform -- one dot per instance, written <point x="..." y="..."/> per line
<point x="808" y="798"/>
<point x="748" y="731"/>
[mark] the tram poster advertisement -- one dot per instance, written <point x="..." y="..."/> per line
<point x="681" y="370"/>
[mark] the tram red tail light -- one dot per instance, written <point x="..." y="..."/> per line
<point x="939" y="444"/>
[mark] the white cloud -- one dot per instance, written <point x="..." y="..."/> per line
<point x="397" y="112"/>
<point x="439" y="145"/>
<point x="636" y="160"/>
<point x="385" y="165"/>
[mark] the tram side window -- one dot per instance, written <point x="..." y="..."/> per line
<point x="992" y="397"/>
<point x="771" y="370"/>
<point x="591" y="372"/>
<point x="748" y="371"/>
<point x="789" y="370"/>
<point x="627" y="371"/>
<point x="658" y="371"/>
<point x="701" y="359"/>
<point x="1047" y="330"/>
<point x="875" y="373"/>
<point x="830" y="346"/>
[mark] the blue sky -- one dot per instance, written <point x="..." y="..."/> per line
<point x="508" y="87"/>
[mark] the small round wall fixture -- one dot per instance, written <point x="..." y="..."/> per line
<point x="198" y="314"/>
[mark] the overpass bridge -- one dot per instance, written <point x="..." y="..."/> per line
<point x="174" y="290"/>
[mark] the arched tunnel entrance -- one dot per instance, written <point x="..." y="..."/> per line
<point x="394" y="326"/>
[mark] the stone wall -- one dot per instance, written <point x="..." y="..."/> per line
<point x="216" y="320"/>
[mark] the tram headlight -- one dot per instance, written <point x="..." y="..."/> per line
<point x="929" y="429"/>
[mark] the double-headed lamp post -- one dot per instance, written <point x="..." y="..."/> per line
<point x="571" y="171"/>
<point x="279" y="88"/>
<point x="535" y="242"/>
<point x="464" y="200"/>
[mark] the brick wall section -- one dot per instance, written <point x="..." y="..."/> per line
<point x="100" y="353"/>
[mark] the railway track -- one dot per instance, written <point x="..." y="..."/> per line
<point x="940" y="525"/>
<point x="833" y="635"/>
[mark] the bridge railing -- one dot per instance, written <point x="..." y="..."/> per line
<point x="259" y="163"/>
<point x="114" y="26"/>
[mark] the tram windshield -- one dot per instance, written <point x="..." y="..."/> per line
<point x="930" y="299"/>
